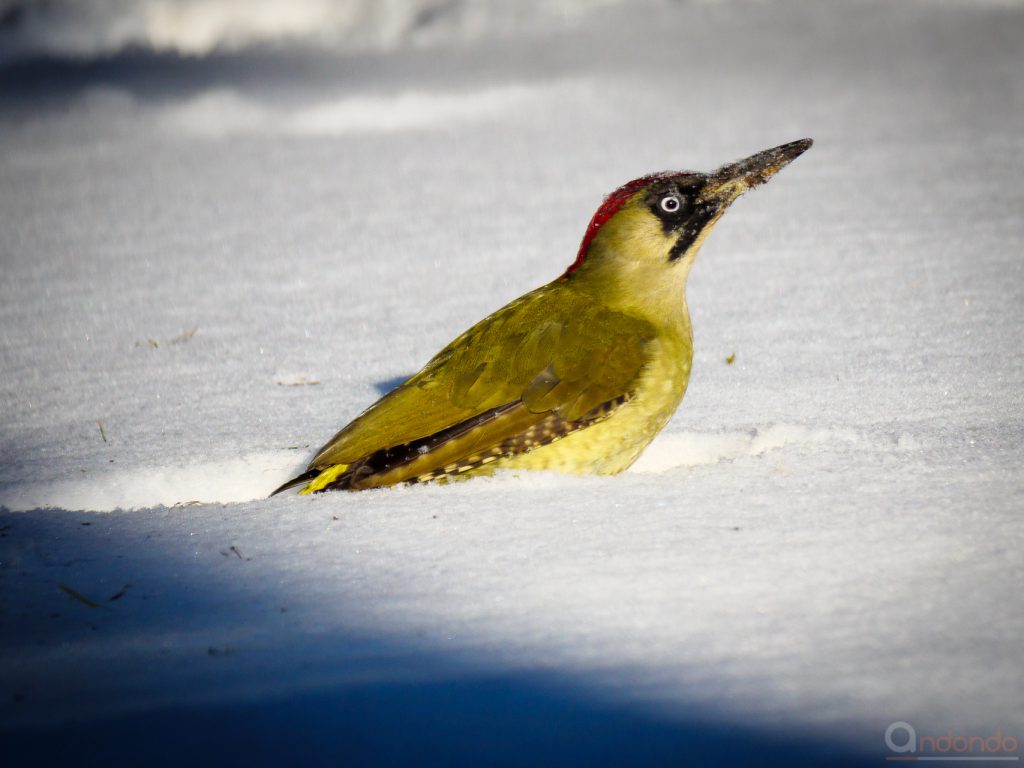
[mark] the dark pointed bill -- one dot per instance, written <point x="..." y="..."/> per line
<point x="755" y="170"/>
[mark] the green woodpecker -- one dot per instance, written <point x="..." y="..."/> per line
<point x="578" y="375"/>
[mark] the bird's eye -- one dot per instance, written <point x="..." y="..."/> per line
<point x="670" y="204"/>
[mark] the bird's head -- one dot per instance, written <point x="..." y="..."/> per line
<point x="643" y="239"/>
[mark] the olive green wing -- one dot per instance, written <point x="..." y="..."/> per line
<point x="533" y="371"/>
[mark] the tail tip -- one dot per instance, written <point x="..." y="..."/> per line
<point x="305" y="477"/>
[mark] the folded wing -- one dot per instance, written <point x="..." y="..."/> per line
<point x="531" y="373"/>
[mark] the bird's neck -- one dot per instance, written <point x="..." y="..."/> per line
<point x="647" y="289"/>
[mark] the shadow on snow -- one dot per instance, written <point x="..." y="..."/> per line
<point x="164" y="669"/>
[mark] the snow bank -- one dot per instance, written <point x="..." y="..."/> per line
<point x="199" y="27"/>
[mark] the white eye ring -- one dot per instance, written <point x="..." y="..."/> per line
<point x="670" y="204"/>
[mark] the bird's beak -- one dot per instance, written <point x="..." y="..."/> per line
<point x="732" y="180"/>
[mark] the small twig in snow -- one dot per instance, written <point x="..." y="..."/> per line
<point x="119" y="594"/>
<point x="233" y="550"/>
<point x="184" y="336"/>
<point x="77" y="596"/>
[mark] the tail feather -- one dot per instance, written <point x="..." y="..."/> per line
<point x="305" y="477"/>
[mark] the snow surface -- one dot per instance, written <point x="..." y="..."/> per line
<point x="211" y="262"/>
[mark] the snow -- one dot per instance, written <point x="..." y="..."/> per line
<point x="68" y="28"/>
<point x="211" y="262"/>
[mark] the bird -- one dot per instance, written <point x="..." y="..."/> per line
<point x="576" y="376"/>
